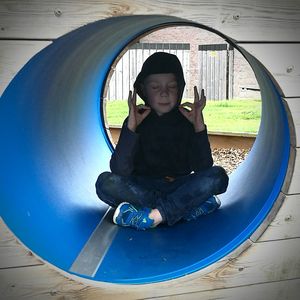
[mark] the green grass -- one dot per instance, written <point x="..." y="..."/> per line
<point x="236" y="116"/>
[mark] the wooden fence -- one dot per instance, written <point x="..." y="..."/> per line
<point x="130" y="64"/>
<point x="215" y="69"/>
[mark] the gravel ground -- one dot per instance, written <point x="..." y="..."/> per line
<point x="230" y="158"/>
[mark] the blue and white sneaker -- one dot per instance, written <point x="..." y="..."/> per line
<point x="128" y="216"/>
<point x="205" y="208"/>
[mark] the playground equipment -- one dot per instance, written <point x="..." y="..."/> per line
<point x="55" y="145"/>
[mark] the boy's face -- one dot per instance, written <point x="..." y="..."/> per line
<point x="161" y="91"/>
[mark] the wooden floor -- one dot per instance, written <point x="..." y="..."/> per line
<point x="267" y="267"/>
<point x="216" y="139"/>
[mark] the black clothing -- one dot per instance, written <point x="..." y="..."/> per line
<point x="160" y="63"/>
<point x="164" y="164"/>
<point x="162" y="146"/>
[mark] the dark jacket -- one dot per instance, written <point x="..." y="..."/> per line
<point x="162" y="146"/>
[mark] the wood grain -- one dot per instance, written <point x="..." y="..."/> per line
<point x="295" y="182"/>
<point x="12" y="253"/>
<point x="288" y="289"/>
<point x="270" y="268"/>
<point x="283" y="62"/>
<point x="294" y="107"/>
<point x="265" y="262"/>
<point x="286" y="223"/>
<point x="13" y="56"/>
<point x="264" y="21"/>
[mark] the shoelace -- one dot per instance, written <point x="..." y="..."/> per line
<point x="137" y="219"/>
<point x="199" y="211"/>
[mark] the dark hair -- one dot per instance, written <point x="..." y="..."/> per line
<point x="160" y="63"/>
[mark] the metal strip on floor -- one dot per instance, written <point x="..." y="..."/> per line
<point x="92" y="254"/>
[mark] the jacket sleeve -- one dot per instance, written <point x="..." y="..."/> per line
<point x="200" y="156"/>
<point x="122" y="159"/>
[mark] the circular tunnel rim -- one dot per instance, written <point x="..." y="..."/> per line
<point x="108" y="141"/>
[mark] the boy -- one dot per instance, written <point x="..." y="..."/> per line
<point x="162" y="169"/>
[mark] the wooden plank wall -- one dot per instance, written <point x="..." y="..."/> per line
<point x="127" y="68"/>
<point x="270" y="30"/>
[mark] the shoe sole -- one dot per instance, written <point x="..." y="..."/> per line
<point x="218" y="201"/>
<point x="117" y="212"/>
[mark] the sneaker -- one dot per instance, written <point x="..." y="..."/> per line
<point x="205" y="208"/>
<point x="128" y="216"/>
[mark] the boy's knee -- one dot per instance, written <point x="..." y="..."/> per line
<point x="102" y="178"/>
<point x="220" y="171"/>
<point x="106" y="188"/>
<point x="106" y="182"/>
<point x="222" y="179"/>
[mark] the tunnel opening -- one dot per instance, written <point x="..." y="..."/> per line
<point x="233" y="109"/>
<point x="56" y="145"/>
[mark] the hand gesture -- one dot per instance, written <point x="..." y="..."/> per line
<point x="193" y="111"/>
<point x="137" y="113"/>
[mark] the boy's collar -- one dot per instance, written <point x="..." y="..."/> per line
<point x="166" y="115"/>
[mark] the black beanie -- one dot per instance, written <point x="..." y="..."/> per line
<point x="160" y="63"/>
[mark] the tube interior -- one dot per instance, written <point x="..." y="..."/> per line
<point x="54" y="145"/>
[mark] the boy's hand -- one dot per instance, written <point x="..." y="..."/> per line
<point x="137" y="113"/>
<point x="194" y="113"/>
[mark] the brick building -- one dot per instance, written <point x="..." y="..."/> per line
<point x="243" y="75"/>
<point x="208" y="61"/>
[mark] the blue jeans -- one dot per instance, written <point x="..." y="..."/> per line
<point x="173" y="199"/>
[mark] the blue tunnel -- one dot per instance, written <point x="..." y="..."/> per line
<point x="54" y="145"/>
